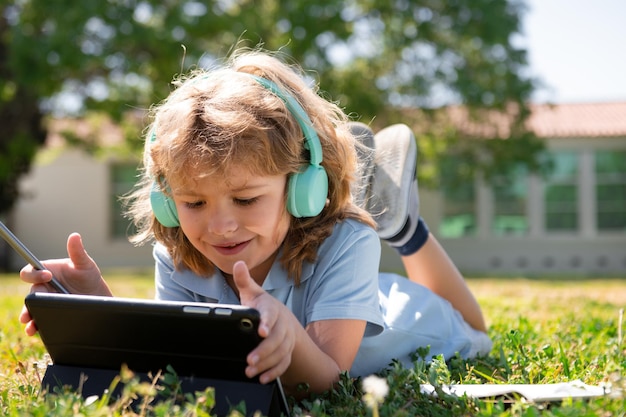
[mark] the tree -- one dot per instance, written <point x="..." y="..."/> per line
<point x="380" y="61"/>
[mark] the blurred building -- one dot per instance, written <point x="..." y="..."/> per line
<point x="571" y="222"/>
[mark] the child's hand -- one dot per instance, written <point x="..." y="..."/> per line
<point x="273" y="355"/>
<point x="78" y="273"/>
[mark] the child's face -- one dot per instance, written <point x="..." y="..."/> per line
<point x="235" y="217"/>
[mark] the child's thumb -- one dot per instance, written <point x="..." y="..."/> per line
<point x="248" y="288"/>
<point x="76" y="250"/>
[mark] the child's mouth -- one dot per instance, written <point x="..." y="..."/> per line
<point x="231" y="248"/>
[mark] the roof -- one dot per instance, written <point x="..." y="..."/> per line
<point x="95" y="129"/>
<point x="582" y="120"/>
<point x="578" y="120"/>
<point x="102" y="131"/>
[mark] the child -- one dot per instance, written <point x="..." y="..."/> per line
<point x="248" y="191"/>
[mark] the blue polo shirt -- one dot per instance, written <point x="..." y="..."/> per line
<point x="344" y="283"/>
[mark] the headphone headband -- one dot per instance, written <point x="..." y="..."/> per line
<point x="310" y="135"/>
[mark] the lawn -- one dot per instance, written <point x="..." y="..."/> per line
<point x="543" y="331"/>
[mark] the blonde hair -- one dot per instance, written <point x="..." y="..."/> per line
<point x="221" y="118"/>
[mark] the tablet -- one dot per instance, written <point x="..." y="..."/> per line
<point x="196" y="339"/>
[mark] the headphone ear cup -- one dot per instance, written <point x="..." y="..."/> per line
<point x="307" y="192"/>
<point x="163" y="207"/>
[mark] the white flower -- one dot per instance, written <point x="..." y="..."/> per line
<point x="376" y="387"/>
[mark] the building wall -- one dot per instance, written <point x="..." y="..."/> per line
<point x="584" y="252"/>
<point x="70" y="193"/>
<point x="524" y="256"/>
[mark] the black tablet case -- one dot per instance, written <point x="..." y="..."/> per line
<point x="90" y="338"/>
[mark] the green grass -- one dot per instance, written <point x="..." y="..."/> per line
<point x="543" y="331"/>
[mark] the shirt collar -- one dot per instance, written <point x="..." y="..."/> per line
<point x="213" y="287"/>
<point x="278" y="278"/>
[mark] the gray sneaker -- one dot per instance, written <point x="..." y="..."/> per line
<point x="365" y="169"/>
<point x="395" y="159"/>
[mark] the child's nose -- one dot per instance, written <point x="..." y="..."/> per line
<point x="221" y="221"/>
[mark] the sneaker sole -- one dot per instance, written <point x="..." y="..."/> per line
<point x="395" y="162"/>
<point x="365" y="150"/>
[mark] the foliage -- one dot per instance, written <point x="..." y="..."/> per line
<point x="543" y="332"/>
<point x="377" y="59"/>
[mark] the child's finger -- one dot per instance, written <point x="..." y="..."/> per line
<point x="24" y="315"/>
<point x="269" y="362"/>
<point x="35" y="276"/>
<point x="30" y="327"/>
<point x="76" y="250"/>
<point x="248" y="288"/>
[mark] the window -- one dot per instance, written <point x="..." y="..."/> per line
<point x="459" y="217"/>
<point x="459" y="212"/>
<point x="561" y="193"/>
<point x="610" y="168"/>
<point x="123" y="178"/>
<point x="510" y="195"/>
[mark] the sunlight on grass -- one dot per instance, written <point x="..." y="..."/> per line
<point x="541" y="300"/>
<point x="543" y="332"/>
<point x="127" y="284"/>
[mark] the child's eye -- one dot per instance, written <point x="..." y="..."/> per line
<point x="245" y="201"/>
<point x="194" y="204"/>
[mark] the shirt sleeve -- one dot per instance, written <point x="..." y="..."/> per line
<point x="344" y="284"/>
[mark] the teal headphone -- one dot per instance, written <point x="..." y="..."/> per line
<point x="307" y="190"/>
